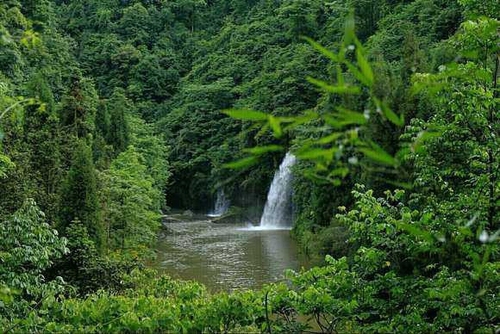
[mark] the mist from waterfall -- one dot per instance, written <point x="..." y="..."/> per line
<point x="278" y="210"/>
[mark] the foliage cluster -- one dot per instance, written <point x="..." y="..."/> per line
<point x="94" y="167"/>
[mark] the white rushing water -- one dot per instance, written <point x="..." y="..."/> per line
<point x="222" y="204"/>
<point x="278" y="210"/>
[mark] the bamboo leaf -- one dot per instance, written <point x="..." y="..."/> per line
<point x="351" y="117"/>
<point x="275" y="125"/>
<point x="365" y="66"/>
<point x="341" y="171"/>
<point x="315" y="177"/>
<point x="388" y="113"/>
<point x="307" y="117"/>
<point x="259" y="150"/>
<point x="328" y="139"/>
<point x="327" y="53"/>
<point x="360" y="76"/>
<point x="242" y="163"/>
<point x="316" y="153"/>
<point x="378" y="154"/>
<point x="246" y="115"/>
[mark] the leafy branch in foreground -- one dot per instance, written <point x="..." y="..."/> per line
<point x="340" y="142"/>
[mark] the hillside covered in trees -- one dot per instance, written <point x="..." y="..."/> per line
<point x="115" y="112"/>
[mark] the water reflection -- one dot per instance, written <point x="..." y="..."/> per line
<point x="226" y="257"/>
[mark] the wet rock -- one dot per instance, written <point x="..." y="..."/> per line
<point x="234" y="215"/>
<point x="188" y="213"/>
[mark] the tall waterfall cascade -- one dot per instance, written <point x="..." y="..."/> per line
<point x="278" y="210"/>
<point x="222" y="204"/>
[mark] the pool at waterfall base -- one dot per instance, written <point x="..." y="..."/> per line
<point x="226" y="257"/>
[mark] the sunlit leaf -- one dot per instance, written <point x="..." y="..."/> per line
<point x="275" y="125"/>
<point x="259" y="150"/>
<point x="242" y="163"/>
<point x="349" y="31"/>
<point x="330" y="138"/>
<point x="246" y="115"/>
<point x="316" y="153"/>
<point x="334" y="181"/>
<point x="342" y="172"/>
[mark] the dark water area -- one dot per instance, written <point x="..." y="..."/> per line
<point x="226" y="257"/>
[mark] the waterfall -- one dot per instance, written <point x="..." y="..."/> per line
<point x="222" y="204"/>
<point x="278" y="209"/>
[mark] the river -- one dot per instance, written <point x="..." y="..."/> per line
<point x="226" y="257"/>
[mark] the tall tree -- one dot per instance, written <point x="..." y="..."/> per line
<point x="79" y="199"/>
<point x="118" y="132"/>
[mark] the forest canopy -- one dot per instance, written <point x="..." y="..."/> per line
<point x="115" y="112"/>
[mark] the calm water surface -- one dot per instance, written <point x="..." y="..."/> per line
<point x="226" y="257"/>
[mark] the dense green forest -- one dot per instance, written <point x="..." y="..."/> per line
<point x="112" y="112"/>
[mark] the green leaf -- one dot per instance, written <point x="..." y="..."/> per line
<point x="242" y="163"/>
<point x="311" y="175"/>
<point x="344" y="117"/>
<point x="327" y="53"/>
<point x="259" y="150"/>
<point x="360" y="76"/>
<point x="246" y="115"/>
<point x="378" y="154"/>
<point x="307" y="117"/>
<point x="275" y="125"/>
<point x="328" y="139"/>
<point x="349" y="31"/>
<point x="388" y="113"/>
<point x="402" y="185"/>
<point x="316" y="153"/>
<point x="365" y="66"/>
<point x="342" y="172"/>
<point x="351" y="117"/>
<point x="415" y="231"/>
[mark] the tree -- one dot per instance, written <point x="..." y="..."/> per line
<point x="28" y="247"/>
<point x="79" y="107"/>
<point x="118" y="130"/>
<point x="79" y="197"/>
<point x="462" y="151"/>
<point x="131" y="214"/>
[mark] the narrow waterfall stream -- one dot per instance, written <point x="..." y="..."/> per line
<point x="222" y="204"/>
<point x="278" y="210"/>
